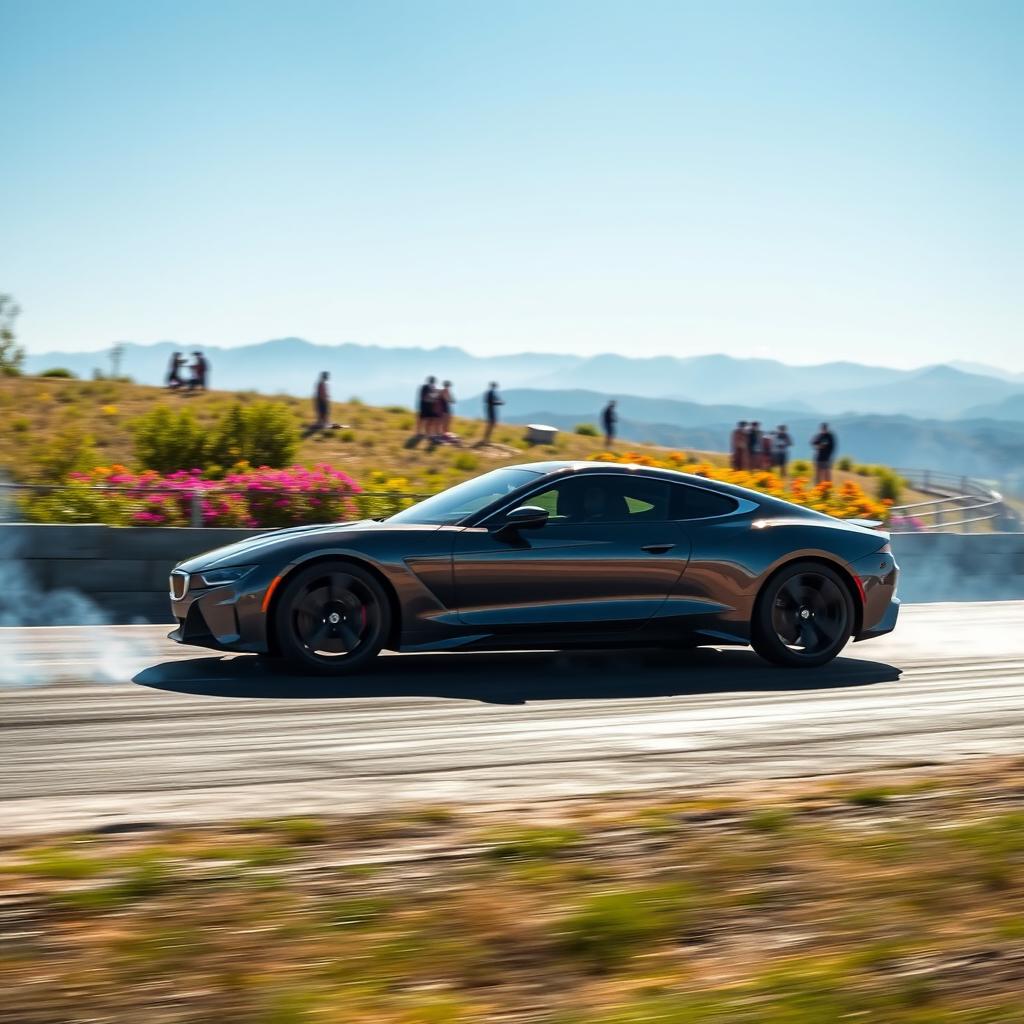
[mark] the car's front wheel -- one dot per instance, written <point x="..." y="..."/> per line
<point x="803" y="617"/>
<point x="331" y="619"/>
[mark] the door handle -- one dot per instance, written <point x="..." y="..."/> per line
<point x="657" y="549"/>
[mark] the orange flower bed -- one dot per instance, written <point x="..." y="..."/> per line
<point x="845" y="501"/>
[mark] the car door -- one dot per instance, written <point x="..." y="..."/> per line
<point x="607" y="558"/>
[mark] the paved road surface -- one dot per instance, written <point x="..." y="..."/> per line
<point x="117" y="725"/>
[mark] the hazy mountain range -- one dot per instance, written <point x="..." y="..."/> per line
<point x="391" y="375"/>
<point x="967" y="418"/>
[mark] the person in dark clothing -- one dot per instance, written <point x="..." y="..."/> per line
<point x="491" y="402"/>
<point x="427" y="408"/>
<point x="445" y="401"/>
<point x="824" y="445"/>
<point x="200" y="373"/>
<point x="738" y="446"/>
<point x="754" y="445"/>
<point x="322" y="402"/>
<point x="609" y="418"/>
<point x="174" y="372"/>
<point x="783" y="442"/>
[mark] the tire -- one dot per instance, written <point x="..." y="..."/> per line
<point x="331" y="619"/>
<point x="803" y="617"/>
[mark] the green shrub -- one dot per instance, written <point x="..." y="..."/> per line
<point x="845" y="464"/>
<point x="59" y="371"/>
<point x="262" y="434"/>
<point x="76" y="502"/>
<point x="587" y="430"/>
<point x="890" y="486"/>
<point x="608" y="927"/>
<point x="167" y="440"/>
<point x="872" y="796"/>
<point x="69" y="450"/>
<point x="531" y="843"/>
<point x="466" y="462"/>
<point x="801" y="467"/>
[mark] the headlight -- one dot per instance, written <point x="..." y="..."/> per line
<point x="229" y="574"/>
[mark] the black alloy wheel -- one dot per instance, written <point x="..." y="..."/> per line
<point x="331" y="619"/>
<point x="803" y="617"/>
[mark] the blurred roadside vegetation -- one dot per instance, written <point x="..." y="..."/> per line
<point x="895" y="900"/>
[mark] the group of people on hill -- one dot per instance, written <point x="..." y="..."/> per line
<point x="435" y="405"/>
<point x="198" y="372"/>
<point x="752" y="448"/>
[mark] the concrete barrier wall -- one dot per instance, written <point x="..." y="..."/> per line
<point x="122" y="571"/>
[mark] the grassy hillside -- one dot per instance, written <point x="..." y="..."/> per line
<point x="42" y="416"/>
<point x="47" y="423"/>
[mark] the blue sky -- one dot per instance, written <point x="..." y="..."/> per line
<point x="804" y="180"/>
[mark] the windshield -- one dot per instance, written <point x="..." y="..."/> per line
<point x="453" y="505"/>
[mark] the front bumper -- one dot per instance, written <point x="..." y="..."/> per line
<point x="224" y="618"/>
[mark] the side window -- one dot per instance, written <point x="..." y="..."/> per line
<point x="695" y="503"/>
<point x="597" y="498"/>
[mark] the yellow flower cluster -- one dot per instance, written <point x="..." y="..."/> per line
<point x="845" y="501"/>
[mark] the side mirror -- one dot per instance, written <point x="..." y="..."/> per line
<point x="526" y="517"/>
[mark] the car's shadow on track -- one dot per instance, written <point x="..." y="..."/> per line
<point x="518" y="678"/>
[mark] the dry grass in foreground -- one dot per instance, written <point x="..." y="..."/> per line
<point x="803" y="903"/>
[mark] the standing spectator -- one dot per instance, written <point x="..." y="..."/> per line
<point x="783" y="442"/>
<point x="824" y="445"/>
<point x="754" y="445"/>
<point x="445" y="401"/>
<point x="200" y="373"/>
<point x="609" y="419"/>
<point x="174" y="372"/>
<point x="491" y="402"/>
<point x="738" y="445"/>
<point x="766" y="455"/>
<point x="426" y="403"/>
<point x="322" y="402"/>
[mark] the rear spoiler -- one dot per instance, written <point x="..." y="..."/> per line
<point x="869" y="524"/>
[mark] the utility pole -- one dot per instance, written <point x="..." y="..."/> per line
<point x="115" y="360"/>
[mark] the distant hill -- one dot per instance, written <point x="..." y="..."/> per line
<point x="1010" y="408"/>
<point x="720" y="378"/>
<point x="582" y="406"/>
<point x="291" y="365"/>
<point x="939" y="391"/>
<point x="391" y="375"/>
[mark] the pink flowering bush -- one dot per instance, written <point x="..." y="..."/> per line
<point x="244" y="497"/>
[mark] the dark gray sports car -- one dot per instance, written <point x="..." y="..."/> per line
<point x="548" y="555"/>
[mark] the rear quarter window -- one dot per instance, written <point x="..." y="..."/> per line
<point x="694" y="503"/>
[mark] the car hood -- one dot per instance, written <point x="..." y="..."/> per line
<point x="253" y="549"/>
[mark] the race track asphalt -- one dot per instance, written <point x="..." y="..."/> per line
<point x="117" y="727"/>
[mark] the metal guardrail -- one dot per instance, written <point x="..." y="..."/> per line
<point x="39" y="503"/>
<point x="961" y="503"/>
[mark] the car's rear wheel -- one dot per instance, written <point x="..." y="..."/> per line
<point x="331" y="619"/>
<point x="803" y="617"/>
